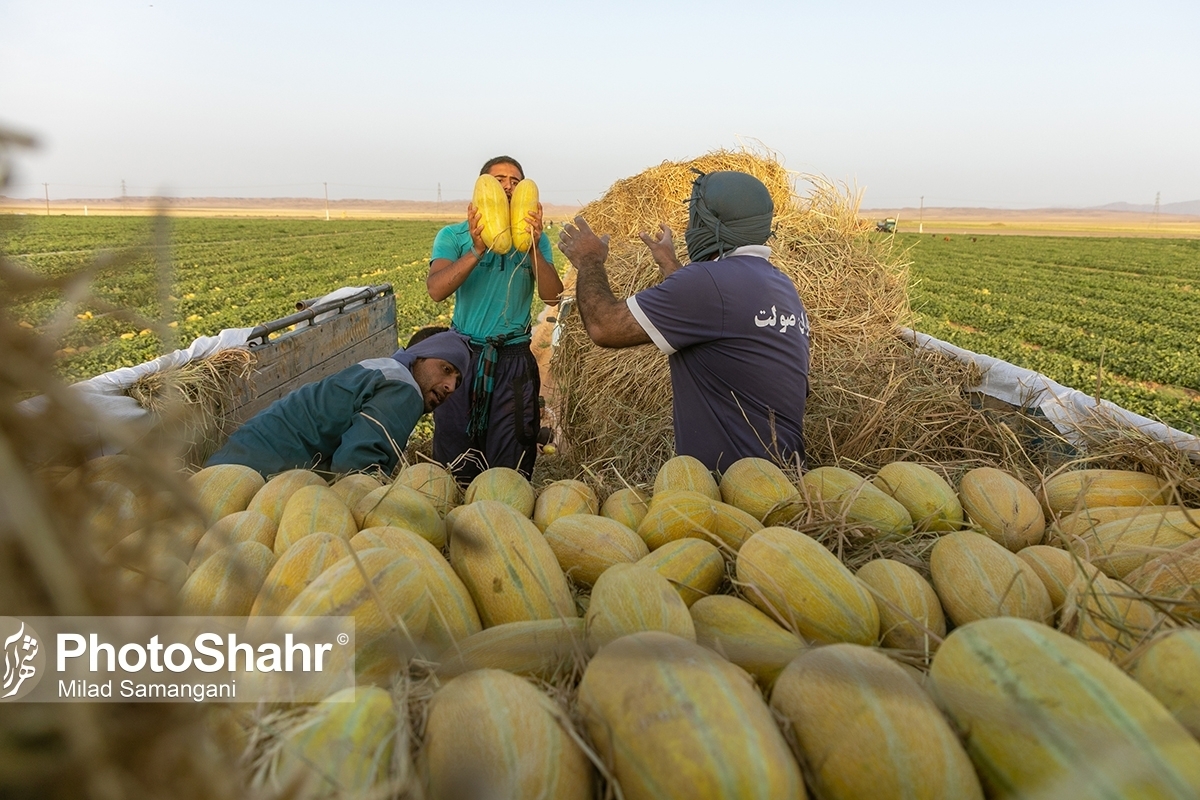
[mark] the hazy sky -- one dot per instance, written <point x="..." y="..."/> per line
<point x="1003" y="104"/>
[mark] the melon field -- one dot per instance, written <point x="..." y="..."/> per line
<point x="1110" y="316"/>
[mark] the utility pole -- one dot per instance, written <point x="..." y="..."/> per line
<point x="1157" y="198"/>
<point x="46" y="186"/>
<point x="122" y="190"/>
<point x="439" y="193"/>
<point x="326" y="201"/>
<point x="921" y="217"/>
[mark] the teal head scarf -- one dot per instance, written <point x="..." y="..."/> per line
<point x="727" y="210"/>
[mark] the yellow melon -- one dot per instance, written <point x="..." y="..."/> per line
<point x="755" y="486"/>
<point x="273" y="496"/>
<point x="975" y="578"/>
<point x="226" y="584"/>
<point x="931" y="501"/>
<point x="300" y="565"/>
<point x="629" y="598"/>
<point x="1080" y="522"/>
<point x="693" y="566"/>
<point x="503" y="484"/>
<point x="1122" y="545"/>
<point x="686" y="473"/>
<point x="732" y="526"/>
<point x="354" y="487"/>
<point x="471" y="726"/>
<point x="910" y="615"/>
<point x="224" y="489"/>
<point x="399" y="506"/>
<point x="540" y="648"/>
<point x="1172" y="579"/>
<point x="562" y="498"/>
<point x="586" y="545"/>
<point x="433" y="481"/>
<point x="739" y="632"/>
<point x="836" y="493"/>
<point x="1168" y="669"/>
<point x="673" y="719"/>
<point x="1003" y="507"/>
<point x="114" y="513"/>
<point x="1058" y="569"/>
<point x="677" y="514"/>
<point x="1078" y="489"/>
<point x="627" y="506"/>
<point x="846" y="700"/>
<point x="805" y="588"/>
<point x="1108" y="616"/>
<point x="240" y="526"/>
<point x="311" y="509"/>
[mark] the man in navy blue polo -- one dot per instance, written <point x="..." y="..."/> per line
<point x="732" y="325"/>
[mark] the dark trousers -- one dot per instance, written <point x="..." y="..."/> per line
<point x="511" y="439"/>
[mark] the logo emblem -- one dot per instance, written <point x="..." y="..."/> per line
<point x="24" y="660"/>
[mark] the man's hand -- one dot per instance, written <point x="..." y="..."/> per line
<point x="534" y="220"/>
<point x="475" y="226"/>
<point x="581" y="246"/>
<point x="662" y="249"/>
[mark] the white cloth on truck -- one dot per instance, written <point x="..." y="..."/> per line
<point x="1065" y="407"/>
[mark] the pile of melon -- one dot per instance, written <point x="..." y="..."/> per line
<point x="694" y="641"/>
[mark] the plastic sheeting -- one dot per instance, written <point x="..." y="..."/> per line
<point x="1068" y="409"/>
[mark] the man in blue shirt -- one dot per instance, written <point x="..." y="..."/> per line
<point x="495" y="422"/>
<point x="732" y="325"/>
<point x="354" y="420"/>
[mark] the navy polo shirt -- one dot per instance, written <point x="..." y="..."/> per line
<point x="737" y="340"/>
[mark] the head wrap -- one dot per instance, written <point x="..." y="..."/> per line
<point x="449" y="346"/>
<point x="727" y="210"/>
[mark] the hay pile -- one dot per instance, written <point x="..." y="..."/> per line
<point x="874" y="399"/>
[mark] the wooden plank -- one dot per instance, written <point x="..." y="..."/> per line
<point x="381" y="345"/>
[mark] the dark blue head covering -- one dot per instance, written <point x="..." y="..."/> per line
<point x="449" y="346"/>
<point x="727" y="210"/>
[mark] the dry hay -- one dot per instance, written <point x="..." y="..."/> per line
<point x="873" y="399"/>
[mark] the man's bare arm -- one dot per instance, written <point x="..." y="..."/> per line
<point x="445" y="276"/>
<point x="549" y="284"/>
<point x="608" y="321"/>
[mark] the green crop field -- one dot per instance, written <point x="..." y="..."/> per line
<point x="1121" y="315"/>
<point x="1117" y="316"/>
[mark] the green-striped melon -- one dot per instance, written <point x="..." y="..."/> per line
<point x="674" y="720"/>
<point x="693" y="566"/>
<point x="433" y="481"/>
<point x="224" y="489"/>
<point x="1078" y="489"/>
<point x="740" y="633"/>
<point x="385" y="592"/>
<point x="1057" y="568"/>
<point x="240" y="526"/>
<point x="274" y="495"/>
<point x="732" y="526"/>
<point x="1168" y="669"/>
<point x="300" y="565"/>
<point x="507" y="565"/>
<point x="562" y="498"/>
<point x="452" y="614"/>
<point x="677" y="514"/>
<point x="686" y="473"/>
<point x="1107" y="616"/>
<point x="910" y="614"/>
<point x="975" y="578"/>
<point x="341" y="747"/>
<point x="1077" y="523"/>
<point x="755" y="485"/>
<point x="504" y="484"/>
<point x="539" y="648"/>
<point x="398" y="506"/>
<point x="586" y="545"/>
<point x="930" y="500"/>
<point x="1173" y="579"/>
<point x="1044" y="716"/>
<point x="226" y="584"/>
<point x="1121" y="546"/>
<point x="845" y="701"/>
<point x="489" y="733"/>
<point x="836" y="493"/>
<point x="354" y="487"/>
<point x="311" y="509"/>
<point x="629" y="598"/>
<point x="805" y="588"/>
<point x="1003" y="507"/>
<point x="627" y="506"/>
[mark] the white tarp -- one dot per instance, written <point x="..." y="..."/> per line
<point x="1066" y="408"/>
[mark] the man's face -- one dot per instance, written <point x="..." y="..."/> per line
<point x="508" y="175"/>
<point x="437" y="379"/>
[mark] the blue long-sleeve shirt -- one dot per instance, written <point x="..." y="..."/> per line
<point x="353" y="420"/>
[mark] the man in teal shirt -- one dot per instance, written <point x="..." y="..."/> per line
<point x="495" y="422"/>
<point x="354" y="420"/>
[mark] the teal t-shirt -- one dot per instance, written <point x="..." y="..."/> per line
<point x="496" y="297"/>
